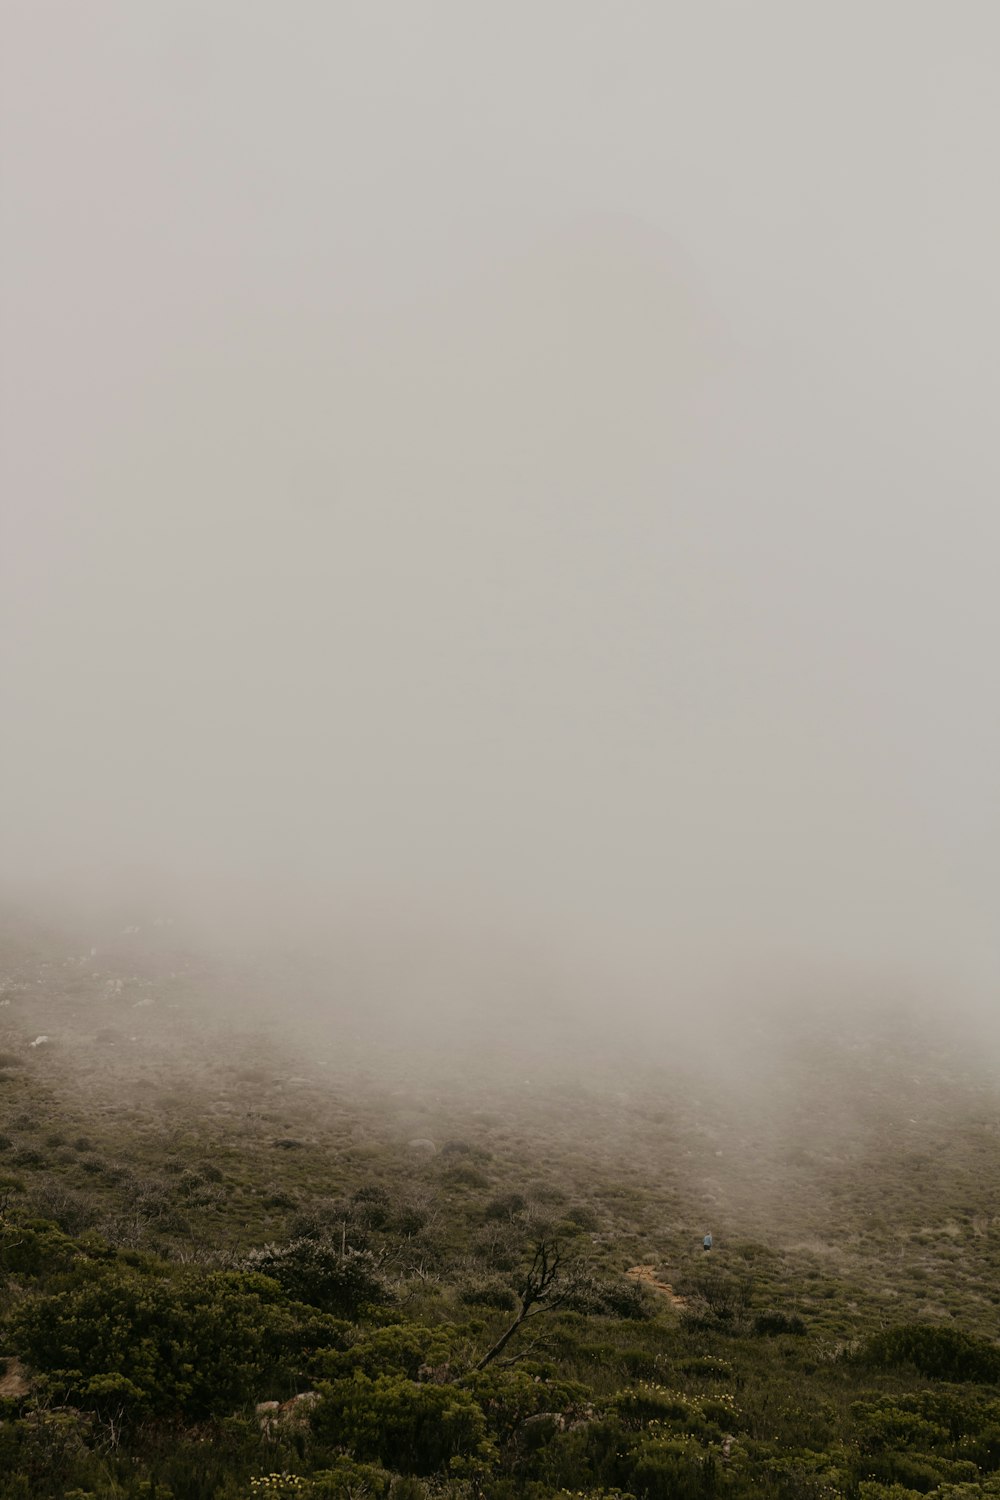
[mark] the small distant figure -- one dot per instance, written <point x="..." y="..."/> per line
<point x="706" y="1243"/>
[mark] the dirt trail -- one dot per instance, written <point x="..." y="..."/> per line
<point x="647" y="1276"/>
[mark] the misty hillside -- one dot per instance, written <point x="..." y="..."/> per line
<point x="170" y="1117"/>
<point x="500" y="802"/>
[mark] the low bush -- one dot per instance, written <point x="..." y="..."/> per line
<point x="411" y="1427"/>
<point x="324" y="1275"/>
<point x="939" y="1352"/>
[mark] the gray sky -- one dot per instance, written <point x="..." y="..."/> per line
<point x="526" y="469"/>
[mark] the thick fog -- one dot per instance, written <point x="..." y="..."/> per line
<point x="510" y="489"/>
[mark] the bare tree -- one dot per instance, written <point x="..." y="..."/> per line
<point x="542" y="1289"/>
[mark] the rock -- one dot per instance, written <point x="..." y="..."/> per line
<point x="421" y="1143"/>
<point x="267" y="1415"/>
<point x="540" y="1428"/>
<point x="14" y="1381"/>
<point x="287" y="1414"/>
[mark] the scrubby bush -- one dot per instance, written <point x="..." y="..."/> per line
<point x="181" y="1344"/>
<point x="414" y="1428"/>
<point x="641" y="1404"/>
<point x="344" y="1480"/>
<point x="583" y="1217"/>
<point x="408" y="1348"/>
<point x="319" y="1272"/>
<point x="718" y="1301"/>
<point x="488" y="1291"/>
<point x="372" y="1206"/>
<point x="45" y="1455"/>
<point x="610" y="1296"/>
<point x="641" y="1364"/>
<point x="939" y="1352"/>
<point x="774" y="1323"/>
<point x="36" y="1247"/>
<point x="506" y="1207"/>
<point x="463" y="1174"/>
<point x="511" y="1398"/>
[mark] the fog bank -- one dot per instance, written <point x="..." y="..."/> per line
<point x="509" y="496"/>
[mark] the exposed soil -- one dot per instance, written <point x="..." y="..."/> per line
<point x="647" y="1275"/>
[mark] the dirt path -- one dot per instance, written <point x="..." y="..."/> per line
<point x="647" y="1276"/>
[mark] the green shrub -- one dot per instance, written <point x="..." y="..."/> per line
<point x="642" y="1404"/>
<point x="320" y="1273"/>
<point x="488" y="1291"/>
<point x="463" y="1174"/>
<point x="510" y="1397"/>
<point x="641" y="1364"/>
<point x="939" y="1352"/>
<point x="187" y="1344"/>
<point x="416" y="1429"/>
<point x="406" y="1348"/>
<point x="773" y="1323"/>
<point x="505" y="1207"/>
<point x="36" y="1247"/>
<point x="611" y="1296"/>
<point x="671" y="1468"/>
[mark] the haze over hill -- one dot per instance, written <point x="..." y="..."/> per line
<point x="512" y="494"/>
<point x="500" y="818"/>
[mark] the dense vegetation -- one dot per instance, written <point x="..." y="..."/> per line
<point x="196" y="1219"/>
